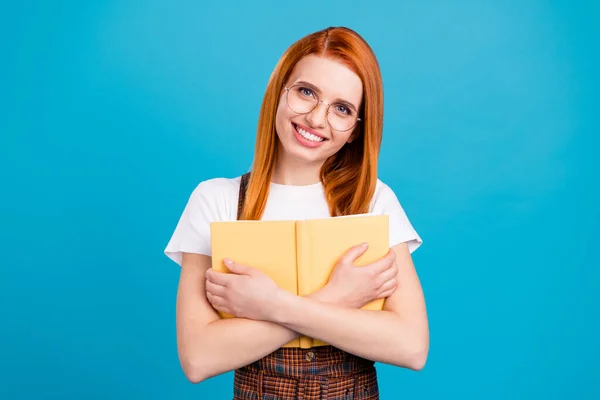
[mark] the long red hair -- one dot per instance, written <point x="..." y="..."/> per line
<point x="349" y="177"/>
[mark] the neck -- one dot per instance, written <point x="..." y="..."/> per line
<point x="296" y="172"/>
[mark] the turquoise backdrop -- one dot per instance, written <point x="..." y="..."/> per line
<point x="113" y="111"/>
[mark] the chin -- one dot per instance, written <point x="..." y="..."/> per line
<point x="294" y="150"/>
<point x="300" y="155"/>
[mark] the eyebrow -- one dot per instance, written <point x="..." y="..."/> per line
<point x="319" y="92"/>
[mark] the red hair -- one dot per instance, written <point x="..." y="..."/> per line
<point x="349" y="177"/>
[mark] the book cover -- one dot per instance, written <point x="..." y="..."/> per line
<point x="269" y="246"/>
<point x="299" y="255"/>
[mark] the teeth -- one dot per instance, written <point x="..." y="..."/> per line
<point x="309" y="136"/>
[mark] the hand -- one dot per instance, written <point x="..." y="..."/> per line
<point x="355" y="286"/>
<point x="245" y="292"/>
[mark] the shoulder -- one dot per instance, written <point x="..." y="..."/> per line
<point x="384" y="196"/>
<point x="216" y="197"/>
<point x="386" y="202"/>
<point x="217" y="187"/>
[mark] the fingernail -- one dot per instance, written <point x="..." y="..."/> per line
<point x="365" y="244"/>
<point x="227" y="261"/>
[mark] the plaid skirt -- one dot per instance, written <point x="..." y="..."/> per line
<point x="317" y="373"/>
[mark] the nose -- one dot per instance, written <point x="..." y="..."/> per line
<point x="317" y="118"/>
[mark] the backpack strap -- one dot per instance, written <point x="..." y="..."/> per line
<point x="242" y="195"/>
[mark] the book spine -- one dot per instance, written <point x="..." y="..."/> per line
<point x="303" y="265"/>
<point x="302" y="257"/>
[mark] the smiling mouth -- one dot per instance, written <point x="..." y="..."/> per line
<point x="307" y="135"/>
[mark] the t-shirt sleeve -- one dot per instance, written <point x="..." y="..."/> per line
<point x="401" y="230"/>
<point x="192" y="233"/>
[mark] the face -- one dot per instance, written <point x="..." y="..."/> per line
<point x="310" y="137"/>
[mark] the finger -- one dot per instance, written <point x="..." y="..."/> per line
<point x="389" y="274"/>
<point x="389" y="285"/>
<point x="211" y="298"/>
<point x="219" y="278"/>
<point x="222" y="308"/>
<point x="215" y="289"/>
<point x="353" y="253"/>
<point x="387" y="293"/>
<point x="217" y="302"/>
<point x="388" y="290"/>
<point x="383" y="263"/>
<point x="236" y="268"/>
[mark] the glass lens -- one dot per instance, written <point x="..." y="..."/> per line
<point x="340" y="120"/>
<point x="303" y="100"/>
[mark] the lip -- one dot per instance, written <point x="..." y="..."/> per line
<point x="305" y="142"/>
<point x="309" y="130"/>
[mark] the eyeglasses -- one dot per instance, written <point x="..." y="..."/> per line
<point x="302" y="100"/>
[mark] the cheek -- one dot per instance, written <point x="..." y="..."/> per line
<point x="279" y="119"/>
<point x="282" y="117"/>
<point x="341" y="138"/>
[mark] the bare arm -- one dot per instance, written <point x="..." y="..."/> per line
<point x="208" y="345"/>
<point x="398" y="335"/>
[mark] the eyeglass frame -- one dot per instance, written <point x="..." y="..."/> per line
<point x="287" y="92"/>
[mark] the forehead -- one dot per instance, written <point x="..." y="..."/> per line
<point x="334" y="79"/>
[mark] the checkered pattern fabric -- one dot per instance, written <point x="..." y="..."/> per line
<point x="323" y="372"/>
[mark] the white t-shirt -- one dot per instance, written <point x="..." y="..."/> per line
<point x="217" y="200"/>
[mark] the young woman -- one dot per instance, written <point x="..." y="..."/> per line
<point x="318" y="139"/>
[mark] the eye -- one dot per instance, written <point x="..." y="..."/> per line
<point x="341" y="108"/>
<point x="306" y="92"/>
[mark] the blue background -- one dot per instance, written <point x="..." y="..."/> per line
<point x="113" y="111"/>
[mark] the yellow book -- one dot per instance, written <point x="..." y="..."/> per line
<point x="299" y="255"/>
